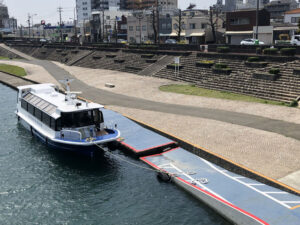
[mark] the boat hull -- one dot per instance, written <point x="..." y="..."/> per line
<point x="87" y="150"/>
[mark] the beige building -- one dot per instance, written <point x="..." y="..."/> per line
<point x="139" y="28"/>
<point x="195" y="25"/>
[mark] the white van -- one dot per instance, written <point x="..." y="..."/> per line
<point x="295" y="40"/>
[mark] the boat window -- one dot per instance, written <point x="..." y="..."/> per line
<point x="46" y="119"/>
<point x="98" y="117"/>
<point x="52" y="123"/>
<point x="38" y="114"/>
<point x="31" y="109"/>
<point x="24" y="104"/>
<point x="83" y="118"/>
<point x="67" y="120"/>
<point x="58" y="124"/>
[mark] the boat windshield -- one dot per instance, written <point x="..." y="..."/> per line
<point x="81" y="119"/>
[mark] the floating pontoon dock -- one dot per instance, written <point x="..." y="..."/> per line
<point x="136" y="138"/>
<point x="240" y="199"/>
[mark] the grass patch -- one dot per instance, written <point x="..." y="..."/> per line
<point x="15" y="70"/>
<point x="4" y="58"/>
<point x="193" y="90"/>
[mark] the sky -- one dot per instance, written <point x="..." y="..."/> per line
<point x="47" y="9"/>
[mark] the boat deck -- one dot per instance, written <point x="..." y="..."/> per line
<point x="134" y="137"/>
<point x="252" y="202"/>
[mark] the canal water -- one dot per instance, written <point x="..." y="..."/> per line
<point x="42" y="186"/>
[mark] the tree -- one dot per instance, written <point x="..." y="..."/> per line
<point x="179" y="24"/>
<point x="154" y="24"/>
<point x="212" y="24"/>
<point x="298" y="31"/>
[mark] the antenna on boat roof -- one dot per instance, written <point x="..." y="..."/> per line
<point x="67" y="82"/>
<point x="69" y="94"/>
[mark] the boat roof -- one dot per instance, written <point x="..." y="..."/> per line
<point x="48" y="93"/>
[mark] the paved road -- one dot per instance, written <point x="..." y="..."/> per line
<point x="108" y="98"/>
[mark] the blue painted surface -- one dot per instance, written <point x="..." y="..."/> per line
<point x="245" y="193"/>
<point x="134" y="135"/>
<point x="113" y="134"/>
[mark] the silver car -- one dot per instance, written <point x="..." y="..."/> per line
<point x="251" y="41"/>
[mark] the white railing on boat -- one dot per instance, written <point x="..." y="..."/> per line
<point x="71" y="135"/>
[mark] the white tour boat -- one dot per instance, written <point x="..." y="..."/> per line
<point x="62" y="121"/>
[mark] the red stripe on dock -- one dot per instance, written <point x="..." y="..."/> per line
<point x="144" y="157"/>
<point x="225" y="202"/>
<point x="202" y="190"/>
<point x="146" y="149"/>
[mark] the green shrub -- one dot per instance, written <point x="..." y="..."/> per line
<point x="274" y="71"/>
<point x="258" y="50"/>
<point x="288" y="51"/>
<point x="293" y="103"/>
<point x="220" y="66"/>
<point x="223" y="49"/>
<point x="253" y="59"/>
<point x="270" y="51"/>
<point x="207" y="61"/>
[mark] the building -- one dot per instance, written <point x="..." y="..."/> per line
<point x="146" y="4"/>
<point x="292" y="16"/>
<point x="140" y="28"/>
<point x="103" y="24"/>
<point x="3" y="15"/>
<point x="239" y="24"/>
<point x="84" y="10"/>
<point x="230" y="5"/>
<point x="278" y="8"/>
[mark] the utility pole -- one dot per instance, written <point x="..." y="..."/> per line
<point x="157" y="21"/>
<point x="257" y="8"/>
<point x="75" y="24"/>
<point x="60" y="25"/>
<point x="28" y="21"/>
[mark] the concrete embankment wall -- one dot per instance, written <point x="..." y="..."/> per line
<point x="285" y="88"/>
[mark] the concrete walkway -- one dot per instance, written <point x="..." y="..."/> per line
<point x="271" y="145"/>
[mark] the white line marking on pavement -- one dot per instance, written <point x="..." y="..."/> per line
<point x="239" y="177"/>
<point x="275" y="192"/>
<point x="249" y="186"/>
<point x="254" y="184"/>
<point x="292" y="202"/>
<point x="198" y="183"/>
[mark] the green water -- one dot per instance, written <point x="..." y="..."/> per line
<point x="41" y="186"/>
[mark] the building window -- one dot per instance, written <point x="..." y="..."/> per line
<point x="132" y="39"/>
<point x="239" y="21"/>
<point x="295" y="19"/>
<point x="137" y="28"/>
<point x="108" y="17"/>
<point x="192" y="26"/>
<point x="130" y="28"/>
<point x="203" y="25"/>
<point x="144" y="28"/>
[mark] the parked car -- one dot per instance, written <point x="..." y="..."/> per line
<point x="295" y="40"/>
<point x="43" y="40"/>
<point x="251" y="41"/>
<point x="170" y="41"/>
<point x="122" y="41"/>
